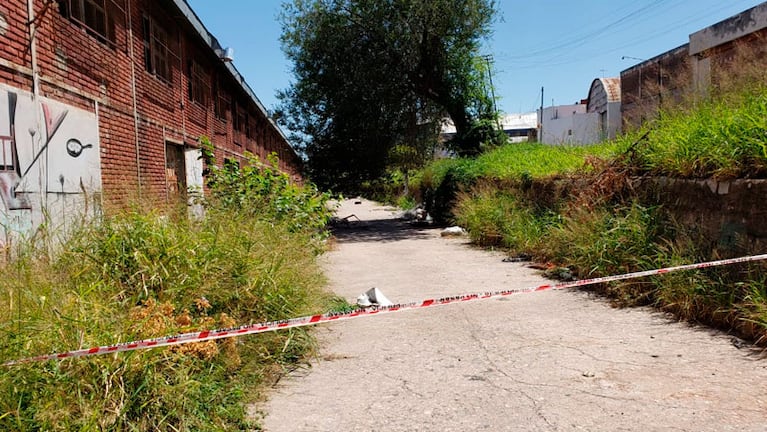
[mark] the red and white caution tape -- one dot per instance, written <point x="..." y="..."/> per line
<point x="208" y="335"/>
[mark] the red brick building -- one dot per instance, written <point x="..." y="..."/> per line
<point x="109" y="97"/>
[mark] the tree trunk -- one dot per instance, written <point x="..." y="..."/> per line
<point x="468" y="144"/>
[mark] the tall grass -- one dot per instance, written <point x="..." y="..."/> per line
<point x="722" y="138"/>
<point x="516" y="162"/>
<point x="440" y="182"/>
<point x="494" y="216"/>
<point x="142" y="273"/>
<point x="601" y="227"/>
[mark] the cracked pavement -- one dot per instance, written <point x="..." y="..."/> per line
<point x="549" y="361"/>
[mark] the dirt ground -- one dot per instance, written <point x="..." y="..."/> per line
<point x="549" y="361"/>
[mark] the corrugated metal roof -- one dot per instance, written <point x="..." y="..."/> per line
<point x="520" y="121"/>
<point x="508" y="122"/>
<point x="603" y="91"/>
<point x="612" y="88"/>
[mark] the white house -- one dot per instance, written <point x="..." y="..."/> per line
<point x="520" y="127"/>
<point x="568" y="124"/>
<point x="591" y="121"/>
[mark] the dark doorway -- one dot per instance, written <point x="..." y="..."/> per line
<point x="175" y="171"/>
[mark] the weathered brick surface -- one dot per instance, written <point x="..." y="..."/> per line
<point x="80" y="70"/>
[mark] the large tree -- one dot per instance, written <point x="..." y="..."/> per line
<point x="366" y="71"/>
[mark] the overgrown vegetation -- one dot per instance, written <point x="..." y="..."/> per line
<point x="722" y="138"/>
<point x="576" y="207"/>
<point x="144" y="273"/>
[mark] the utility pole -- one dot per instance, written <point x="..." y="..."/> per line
<point x="540" y="127"/>
<point x="488" y="59"/>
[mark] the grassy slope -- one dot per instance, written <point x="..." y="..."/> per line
<point x="602" y="235"/>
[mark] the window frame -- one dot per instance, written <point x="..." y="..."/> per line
<point x="222" y="102"/>
<point x="157" y="51"/>
<point x="199" y="83"/>
<point x="96" y="17"/>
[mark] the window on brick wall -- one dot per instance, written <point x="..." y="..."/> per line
<point x="97" y="17"/>
<point x="252" y="129"/>
<point x="221" y="101"/>
<point x="235" y="120"/>
<point x="157" y="54"/>
<point x="242" y="121"/>
<point x="199" y="83"/>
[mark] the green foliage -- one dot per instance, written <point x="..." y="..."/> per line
<point x="259" y="190"/>
<point x="483" y="133"/>
<point x="723" y="138"/>
<point x="602" y="242"/>
<point x="517" y="162"/>
<point x="497" y="217"/>
<point x="441" y="180"/>
<point x="372" y="75"/>
<point x="140" y="274"/>
<point x="603" y="229"/>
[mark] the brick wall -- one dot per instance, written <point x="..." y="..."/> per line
<point x="662" y="80"/>
<point x="79" y="67"/>
<point x="726" y="53"/>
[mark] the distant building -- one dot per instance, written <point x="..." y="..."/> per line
<point x="569" y="124"/>
<point x="518" y="127"/>
<point x="605" y="101"/>
<point x="590" y="121"/>
<point x="713" y="48"/>
<point x="644" y="85"/>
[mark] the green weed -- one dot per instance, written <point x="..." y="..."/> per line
<point x="139" y="274"/>
<point x="495" y="217"/>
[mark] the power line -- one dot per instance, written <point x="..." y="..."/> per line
<point x="590" y="35"/>
<point x="580" y="57"/>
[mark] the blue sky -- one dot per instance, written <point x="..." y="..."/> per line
<point x="556" y="44"/>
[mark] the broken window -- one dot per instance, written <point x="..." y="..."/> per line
<point x="199" y="83"/>
<point x="97" y="17"/>
<point x="221" y="101"/>
<point x="157" y="53"/>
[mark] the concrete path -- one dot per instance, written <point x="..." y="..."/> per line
<point x="550" y="361"/>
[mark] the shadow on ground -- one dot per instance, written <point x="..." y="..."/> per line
<point x="380" y="230"/>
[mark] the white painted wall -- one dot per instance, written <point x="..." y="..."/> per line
<point x="569" y="124"/>
<point x="50" y="163"/>
<point x="194" y="180"/>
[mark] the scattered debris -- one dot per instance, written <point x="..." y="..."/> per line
<point x="454" y="231"/>
<point x="336" y="221"/>
<point x="739" y="343"/>
<point x="523" y="257"/>
<point x="373" y="297"/>
<point x="417" y="216"/>
<point x="560" y="273"/>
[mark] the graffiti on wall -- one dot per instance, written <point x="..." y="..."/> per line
<point x="46" y="147"/>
